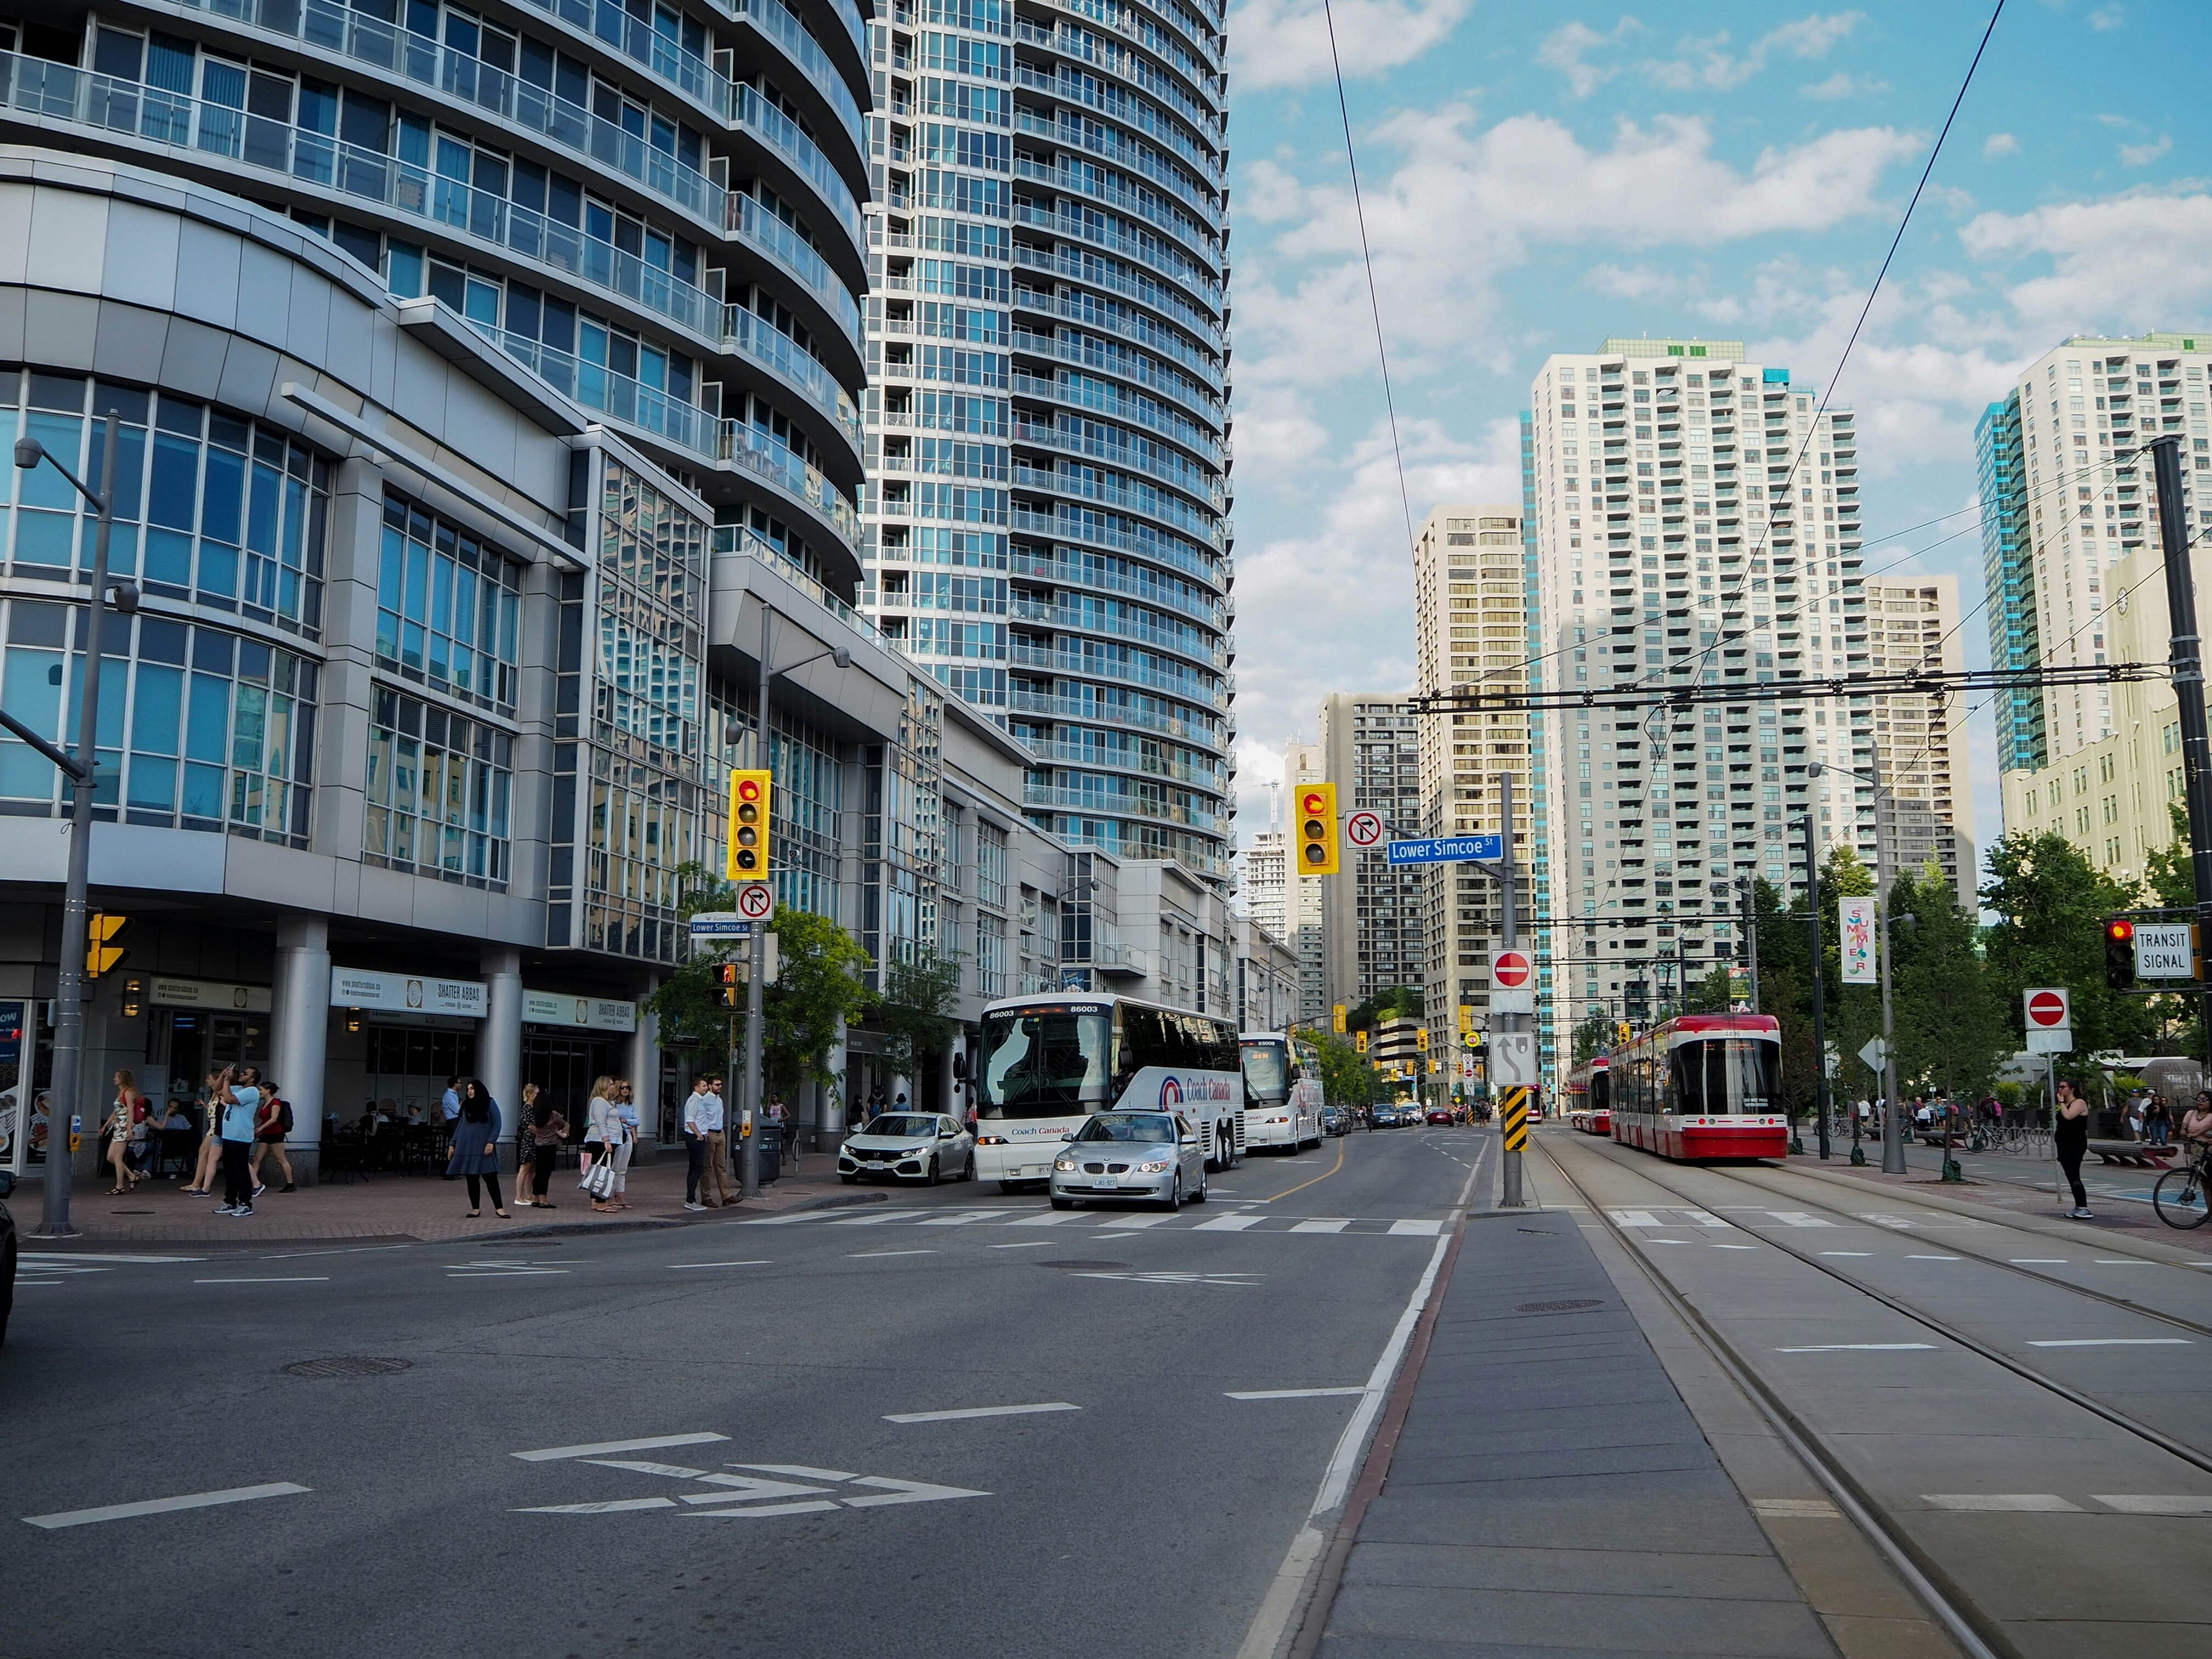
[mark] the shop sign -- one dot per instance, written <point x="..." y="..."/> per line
<point x="590" y="1013"/>
<point x="355" y="987"/>
<point x="206" y="993"/>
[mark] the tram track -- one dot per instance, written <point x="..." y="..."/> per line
<point x="1895" y="1529"/>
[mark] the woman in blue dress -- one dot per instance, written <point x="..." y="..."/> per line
<point x="476" y="1147"/>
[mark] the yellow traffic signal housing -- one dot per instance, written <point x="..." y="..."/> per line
<point x="1421" y="1039"/>
<point x="1339" y="1019"/>
<point x="101" y="953"/>
<point x="1359" y="1040"/>
<point x="749" y="821"/>
<point x="732" y="984"/>
<point x="1467" y="1019"/>
<point x="1318" y="829"/>
<point x="1622" y="1031"/>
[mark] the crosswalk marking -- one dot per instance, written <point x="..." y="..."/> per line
<point x="1050" y="1218"/>
<point x="1106" y="1220"/>
<point x="960" y="1217"/>
<point x="1128" y="1223"/>
<point x="1228" y="1223"/>
<point x="1799" y="1219"/>
<point x="1323" y="1226"/>
<point x="1416" y="1229"/>
<point x="1635" y="1218"/>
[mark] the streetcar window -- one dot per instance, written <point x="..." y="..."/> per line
<point x="1717" y="1076"/>
<point x="1600" y="1094"/>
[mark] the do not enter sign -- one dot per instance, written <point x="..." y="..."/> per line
<point x="2049" y="1008"/>
<point x="1512" y="982"/>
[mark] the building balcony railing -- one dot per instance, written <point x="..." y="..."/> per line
<point x="1116" y="103"/>
<point x="774" y="19"/>
<point x="753" y="224"/>
<point x="1071" y="573"/>
<point x="1118" y="806"/>
<point x="1199" y="241"/>
<point x="735" y="541"/>
<point x="1180" y="272"/>
<point x="756" y="115"/>
<point x="1119" y="406"/>
<point x="1188" y="687"/>
<point x="1075" y="40"/>
<point x="1140" y="331"/>
<point x="1204" y="653"/>
<point x="1211" y="778"/>
<point x="1172" y="471"/>
<point x="1165" y="509"/>
<point x="1078" y="528"/>
<point x="1201" y="730"/>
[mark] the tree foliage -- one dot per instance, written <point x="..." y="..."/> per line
<point x="1951" y="1033"/>
<point x="1346" y="1078"/>
<point x="2053" y="904"/>
<point x="1398" y="1001"/>
<point x="915" y="997"/>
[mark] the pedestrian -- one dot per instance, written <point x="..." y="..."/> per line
<point x="703" y="1118"/>
<point x="602" y="1134"/>
<point x="449" y="1104"/>
<point x="238" y="1103"/>
<point x="2069" y="1139"/>
<point x="126" y="1127"/>
<point x="2159" y="1121"/>
<point x="475" y="1148"/>
<point x="718" y="1154"/>
<point x="2197" y="1123"/>
<point x="626" y="1110"/>
<point x="210" y="1109"/>
<point x="275" y="1122"/>
<point x="548" y="1127"/>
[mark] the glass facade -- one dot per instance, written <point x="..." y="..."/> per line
<point x="449" y="608"/>
<point x="438" y="790"/>
<point x="209" y="506"/>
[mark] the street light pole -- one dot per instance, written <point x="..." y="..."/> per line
<point x="1819" y="999"/>
<point x="749" y="1104"/>
<point x="1892" y="1126"/>
<point x="67" y="1079"/>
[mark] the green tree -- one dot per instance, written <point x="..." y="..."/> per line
<point x="2053" y="904"/>
<point x="1393" y="1003"/>
<point x="1592" y="1038"/>
<point x="914" y="1000"/>
<point x="2168" y="869"/>
<point x="1952" y="1032"/>
<point x="1345" y="1079"/>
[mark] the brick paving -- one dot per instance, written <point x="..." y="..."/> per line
<point x="399" y="1208"/>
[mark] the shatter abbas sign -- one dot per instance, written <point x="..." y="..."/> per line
<point x="354" y="988"/>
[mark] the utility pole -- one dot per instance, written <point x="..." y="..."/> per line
<point x="1819" y="1011"/>
<point x="1892" y="1116"/>
<point x="66" y="1082"/>
<point x="2187" y="656"/>
<point x="1750" y="935"/>
<point x="1509" y="936"/>
<point x="749" y="1104"/>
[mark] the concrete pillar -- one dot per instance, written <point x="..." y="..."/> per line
<point x="299" y="1037"/>
<point x="643" y="1063"/>
<point x="499" y="1044"/>
<point x="837" y="1104"/>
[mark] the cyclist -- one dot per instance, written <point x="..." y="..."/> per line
<point x="2197" y="1124"/>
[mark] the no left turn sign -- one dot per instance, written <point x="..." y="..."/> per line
<point x="755" y="900"/>
<point x="1362" y="829"/>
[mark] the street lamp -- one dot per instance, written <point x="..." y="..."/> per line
<point x="68" y="989"/>
<point x="749" y="1105"/>
<point x="1892" y="1128"/>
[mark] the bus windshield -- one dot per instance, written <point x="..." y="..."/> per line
<point x="1046" y="1064"/>
<point x="1717" y="1076"/>
<point x="1267" y="1073"/>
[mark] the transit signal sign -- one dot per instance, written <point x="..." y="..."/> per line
<point x="1318" y="829"/>
<point x="2164" y="951"/>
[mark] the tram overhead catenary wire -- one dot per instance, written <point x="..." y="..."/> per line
<point x="1474" y="699"/>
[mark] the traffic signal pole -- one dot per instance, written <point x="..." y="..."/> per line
<point x="749" y="1104"/>
<point x="1508" y="936"/>
<point x="2187" y="656"/>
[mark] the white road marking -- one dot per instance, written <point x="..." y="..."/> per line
<point x="808" y="1507"/>
<point x="761" y="1263"/>
<point x="870" y="1255"/>
<point x="1228" y="1223"/>
<point x="603" y="1447"/>
<point x="1129" y="1224"/>
<point x="33" y="1284"/>
<point x="2150" y="1504"/>
<point x="962" y="1217"/>
<point x="611" y="1506"/>
<point x="905" y="1492"/>
<point x="1799" y="1219"/>
<point x="1704" y="1219"/>
<point x="1859" y="1347"/>
<point x="1321" y="1226"/>
<point x="2121" y="1262"/>
<point x="198" y="1500"/>
<point x="1894" y="1221"/>
<point x="2114" y="1342"/>
<point x="1051" y="1219"/>
<point x="1293" y="1394"/>
<point x="2008" y="1503"/>
<point x="1665" y="1241"/>
<point x="509" y="1272"/>
<point x="1025" y="1244"/>
<point x="1935" y="1258"/>
<point x="1729" y="1247"/>
<point x="1415" y="1228"/>
<point x="801" y="1470"/>
<point x="980" y="1410"/>
<point x="1847" y="1253"/>
<point x="872" y="1220"/>
<point x="300" y="1278"/>
<point x="1795" y="1508"/>
<point x="1635" y="1218"/>
<point x="81" y="1255"/>
<point x="2037" y="1261"/>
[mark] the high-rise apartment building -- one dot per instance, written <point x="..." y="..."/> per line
<point x="1470" y="634"/>
<point x="1048" y="430"/>
<point x="2064" y="503"/>
<point x="1920" y="739"/>
<point x="1266" y="883"/>
<point x="1697" y="523"/>
<point x="1373" y="934"/>
<point x="1303" y="895"/>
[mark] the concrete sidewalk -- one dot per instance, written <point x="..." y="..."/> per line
<point x="1550" y="1492"/>
<point x="407" y="1207"/>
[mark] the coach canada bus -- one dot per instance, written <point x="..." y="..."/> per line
<point x="1049" y="1062"/>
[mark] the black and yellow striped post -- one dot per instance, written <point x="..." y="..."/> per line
<point x="1513" y="1116"/>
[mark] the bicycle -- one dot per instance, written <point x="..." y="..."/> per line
<point x="2178" y="1195"/>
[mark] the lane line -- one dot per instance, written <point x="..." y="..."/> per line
<point x="598" y="1447"/>
<point x="1862" y="1347"/>
<point x="870" y="1255"/>
<point x="2037" y="1261"/>
<point x="2115" y="1342"/>
<point x="980" y="1410"/>
<point x="763" y="1262"/>
<point x="1293" y="1394"/>
<point x="1318" y="1179"/>
<point x="198" y="1500"/>
<point x="1935" y="1258"/>
<point x="2002" y="1503"/>
<point x="1847" y="1253"/>
<point x="1025" y="1244"/>
<point x="299" y="1278"/>
<point x="86" y="1255"/>
<point x="612" y="1506"/>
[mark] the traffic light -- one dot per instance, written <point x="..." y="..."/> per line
<point x="1421" y="1039"/>
<point x="2120" y="954"/>
<point x="101" y="951"/>
<point x="733" y="985"/>
<point x="748" y="820"/>
<point x="1339" y="1019"/>
<point x="1317" y="832"/>
<point x="1467" y="1019"/>
<point x="1359" y="1040"/>
<point x="1622" y="1032"/>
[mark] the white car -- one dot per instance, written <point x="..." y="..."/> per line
<point x="924" y="1146"/>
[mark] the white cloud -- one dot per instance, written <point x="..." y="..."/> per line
<point x="1565" y="48"/>
<point x="1275" y="431"/>
<point x="2121" y="265"/>
<point x="1708" y="62"/>
<point x="1999" y="144"/>
<point x="2107" y="17"/>
<point x="2142" y="156"/>
<point x="1841" y="85"/>
<point x="1285" y="43"/>
<point x="1466" y="203"/>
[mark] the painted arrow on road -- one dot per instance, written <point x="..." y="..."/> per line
<point x="768" y="1489"/>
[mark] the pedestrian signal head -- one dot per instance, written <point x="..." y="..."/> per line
<point x="1318" y="829"/>
<point x="731" y="984"/>
<point x="749" y="826"/>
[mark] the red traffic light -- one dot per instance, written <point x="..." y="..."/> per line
<point x="748" y="789"/>
<point x="2119" y="930"/>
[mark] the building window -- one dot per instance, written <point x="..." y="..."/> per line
<point x="447" y="607"/>
<point x="990" y="955"/>
<point x="990" y="864"/>
<point x="439" y="785"/>
<point x="209" y="507"/>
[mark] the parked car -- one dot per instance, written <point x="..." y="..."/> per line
<point x="1440" y="1117"/>
<point x="7" y="1254"/>
<point x="1154" y="1156"/>
<point x="924" y="1146"/>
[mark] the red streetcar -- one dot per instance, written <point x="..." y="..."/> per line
<point x="1701" y="1086"/>
<point x="1586" y="1105"/>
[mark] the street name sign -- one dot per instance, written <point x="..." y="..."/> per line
<point x="1449" y="849"/>
<point x="720" y="924"/>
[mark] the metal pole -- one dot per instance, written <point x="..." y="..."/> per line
<point x="749" y="1102"/>
<point x="1509" y="869"/>
<point x="68" y="1080"/>
<point x="2188" y="659"/>
<point x="1893" y="1127"/>
<point x="1819" y="1009"/>
<point x="1751" y="934"/>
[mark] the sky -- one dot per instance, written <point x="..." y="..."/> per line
<point x="1538" y="177"/>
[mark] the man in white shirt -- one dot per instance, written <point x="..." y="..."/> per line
<point x="703" y="1143"/>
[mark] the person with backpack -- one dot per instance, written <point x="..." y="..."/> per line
<point x="273" y="1123"/>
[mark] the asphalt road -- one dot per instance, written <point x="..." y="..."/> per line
<point x="1146" y="1516"/>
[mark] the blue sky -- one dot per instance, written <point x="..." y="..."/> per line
<point x="1537" y="176"/>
